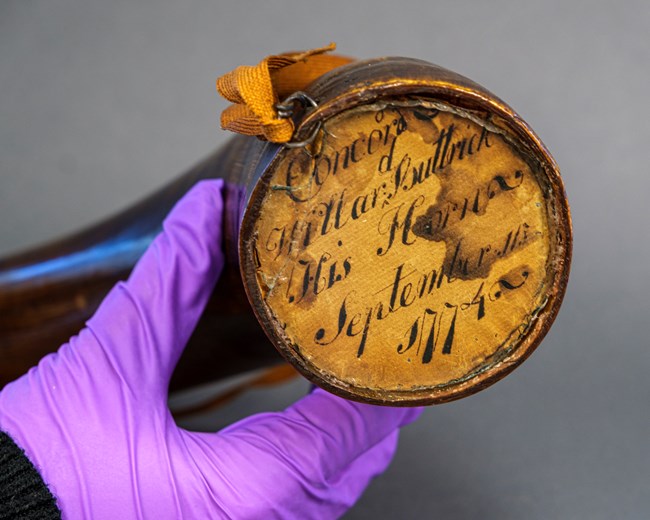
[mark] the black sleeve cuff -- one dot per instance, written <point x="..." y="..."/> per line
<point x="23" y="494"/>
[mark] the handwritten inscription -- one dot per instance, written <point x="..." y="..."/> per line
<point x="407" y="250"/>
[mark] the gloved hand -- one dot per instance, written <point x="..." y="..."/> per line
<point x="93" y="417"/>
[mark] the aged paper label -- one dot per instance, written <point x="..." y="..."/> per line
<point x="410" y="251"/>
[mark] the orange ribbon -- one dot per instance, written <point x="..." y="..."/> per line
<point x="255" y="91"/>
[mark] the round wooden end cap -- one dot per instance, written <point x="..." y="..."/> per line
<point x="415" y="253"/>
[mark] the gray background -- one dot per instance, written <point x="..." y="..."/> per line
<point x="101" y="102"/>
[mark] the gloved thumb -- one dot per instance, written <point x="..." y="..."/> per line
<point x="144" y="323"/>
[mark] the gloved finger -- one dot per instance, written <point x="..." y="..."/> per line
<point x="264" y="486"/>
<point x="144" y="323"/>
<point x="352" y="482"/>
<point x="313" y="455"/>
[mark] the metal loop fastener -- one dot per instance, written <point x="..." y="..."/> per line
<point x="286" y="110"/>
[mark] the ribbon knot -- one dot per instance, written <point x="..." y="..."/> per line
<point x="256" y="90"/>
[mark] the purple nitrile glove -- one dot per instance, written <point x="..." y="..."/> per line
<point x="93" y="417"/>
